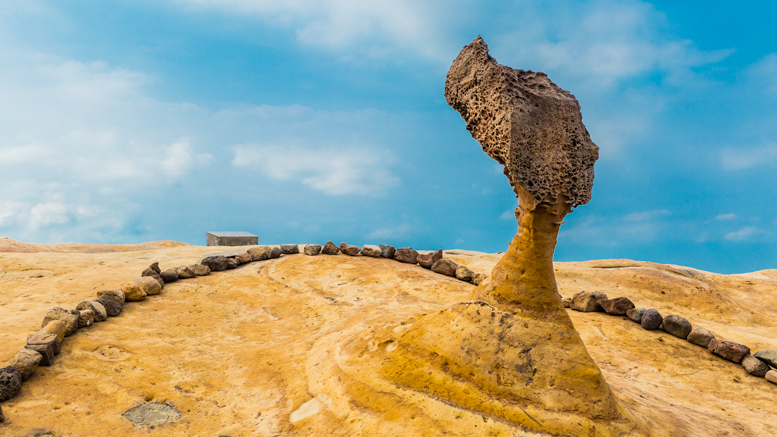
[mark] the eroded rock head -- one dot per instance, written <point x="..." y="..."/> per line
<point x="525" y="122"/>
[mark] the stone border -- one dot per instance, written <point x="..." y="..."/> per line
<point x="761" y="364"/>
<point x="43" y="346"/>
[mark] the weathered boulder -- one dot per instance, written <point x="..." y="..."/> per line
<point x="616" y="307"/>
<point x="371" y="251"/>
<point x="46" y="344"/>
<point x="464" y="274"/>
<point x="153" y="274"/>
<point x="406" y="255"/>
<point x="566" y="302"/>
<point x="232" y="263"/>
<point x="635" y="314"/>
<point x="651" y="319"/>
<point x="186" y="272"/>
<point x="289" y="249"/>
<point x="349" y="250"/>
<point x="427" y="261"/>
<point x="25" y="361"/>
<point x="478" y="278"/>
<point x="700" y="337"/>
<point x="260" y="253"/>
<point x="111" y="304"/>
<point x="100" y="314"/>
<point x="677" y="326"/>
<point x="312" y="249"/>
<point x="768" y="356"/>
<point x="56" y="327"/>
<point x="275" y="252"/>
<point x="330" y="249"/>
<point x="728" y="350"/>
<point x="169" y="275"/>
<point x="155" y="267"/>
<point x="387" y="251"/>
<point x="134" y="292"/>
<point x="149" y="285"/>
<point x="586" y="301"/>
<point x="85" y="318"/>
<point x="117" y="294"/>
<point x="10" y="383"/>
<point x="754" y="366"/>
<point x="445" y="267"/>
<point x="771" y="376"/>
<point x="200" y="270"/>
<point x="243" y="257"/>
<point x="218" y="263"/>
<point x="69" y="317"/>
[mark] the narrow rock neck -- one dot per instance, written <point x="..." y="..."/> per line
<point x="523" y="280"/>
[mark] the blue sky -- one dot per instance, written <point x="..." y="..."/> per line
<point x="301" y="121"/>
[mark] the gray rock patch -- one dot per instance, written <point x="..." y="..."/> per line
<point x="151" y="414"/>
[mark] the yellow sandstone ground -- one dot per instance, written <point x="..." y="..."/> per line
<point x="262" y="350"/>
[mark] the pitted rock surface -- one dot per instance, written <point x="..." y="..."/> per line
<point x="10" y="382"/>
<point x="525" y="122"/>
<point x="152" y="414"/>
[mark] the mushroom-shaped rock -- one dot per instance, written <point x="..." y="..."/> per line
<point x="511" y="352"/>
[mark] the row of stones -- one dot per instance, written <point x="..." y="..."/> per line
<point x="433" y="261"/>
<point x="759" y="364"/>
<point x="44" y="345"/>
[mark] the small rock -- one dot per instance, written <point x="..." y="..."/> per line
<point x="47" y="345"/>
<point x="243" y="257"/>
<point x="116" y="294"/>
<point x="133" y="292"/>
<point x="768" y="356"/>
<point x="445" y="267"/>
<point x="566" y="302"/>
<point x="428" y="260"/>
<point x="349" y="250"/>
<point x="10" y="383"/>
<point x="56" y="327"/>
<point x="100" y="314"/>
<point x="289" y="249"/>
<point x="25" y="361"/>
<point x="754" y="366"/>
<point x="617" y="306"/>
<point x="186" y="272"/>
<point x="464" y="274"/>
<point x="371" y="251"/>
<point x="635" y="314"/>
<point x="218" y="263"/>
<point x="677" y="326"/>
<point x="85" y="318"/>
<point x="728" y="349"/>
<point x="155" y="267"/>
<point x="700" y="337"/>
<point x="69" y="317"/>
<point x="275" y="252"/>
<point x="232" y="263"/>
<point x="200" y="270"/>
<point x="330" y="249"/>
<point x="312" y="249"/>
<point x="387" y="251"/>
<point x="478" y="278"/>
<point x="151" y="415"/>
<point x="112" y="306"/>
<point x="771" y="376"/>
<point x="406" y="255"/>
<point x="651" y="319"/>
<point x="153" y="274"/>
<point x="260" y="253"/>
<point x="169" y="275"/>
<point x="586" y="301"/>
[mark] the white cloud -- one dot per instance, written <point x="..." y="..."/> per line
<point x="741" y="158"/>
<point x="729" y="216"/>
<point x="371" y="29"/>
<point x="765" y="72"/>
<point x="743" y="234"/>
<point x="335" y="170"/>
<point x="646" y="215"/>
<point x="508" y="215"/>
<point x="396" y="232"/>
